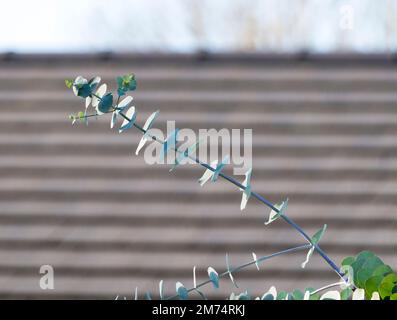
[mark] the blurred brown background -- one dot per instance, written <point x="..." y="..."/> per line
<point x="76" y="197"/>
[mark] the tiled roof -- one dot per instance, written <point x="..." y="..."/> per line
<point x="75" y="197"/>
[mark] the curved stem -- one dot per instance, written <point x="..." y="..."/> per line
<point x="327" y="287"/>
<point x="239" y="268"/>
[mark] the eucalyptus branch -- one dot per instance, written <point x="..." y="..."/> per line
<point x="380" y="274"/>
<point x="233" y="181"/>
<point x="245" y="265"/>
<point x="256" y="196"/>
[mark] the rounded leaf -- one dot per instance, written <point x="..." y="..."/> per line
<point x="105" y="104"/>
<point x="387" y="285"/>
<point x="181" y="291"/>
<point x="214" y="277"/>
<point x="382" y="270"/>
<point x="297" y="295"/>
<point x="127" y="124"/>
<point x="270" y="295"/>
<point x="282" y="295"/>
<point x="372" y="285"/>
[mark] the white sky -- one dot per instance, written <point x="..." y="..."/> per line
<point x="188" y="25"/>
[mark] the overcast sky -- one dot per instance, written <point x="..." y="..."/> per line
<point x="190" y="25"/>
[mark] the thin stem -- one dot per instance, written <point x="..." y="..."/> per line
<point x="328" y="286"/>
<point x="239" y="268"/>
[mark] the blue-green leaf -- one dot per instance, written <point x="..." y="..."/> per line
<point x="125" y="83"/>
<point x="242" y="296"/>
<point x="214" y="277"/>
<point x="181" y="291"/>
<point x="78" y="83"/>
<point x="105" y="104"/>
<point x="127" y="124"/>
<point x="84" y="91"/>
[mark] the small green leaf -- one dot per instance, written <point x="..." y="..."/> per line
<point x="297" y="295"/>
<point x="81" y="116"/>
<point x="387" y="285"/>
<point x="372" y="285"/>
<point x="314" y="240"/>
<point x="319" y="234"/>
<point x="382" y="270"/>
<point x="356" y="266"/>
<point x="106" y="103"/>
<point x="393" y="296"/>
<point x="282" y="295"/>
<point x="346" y="293"/>
<point x="69" y="83"/>
<point x="125" y="83"/>
<point x="348" y="261"/>
<point x="367" y="270"/>
<point x="315" y="296"/>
